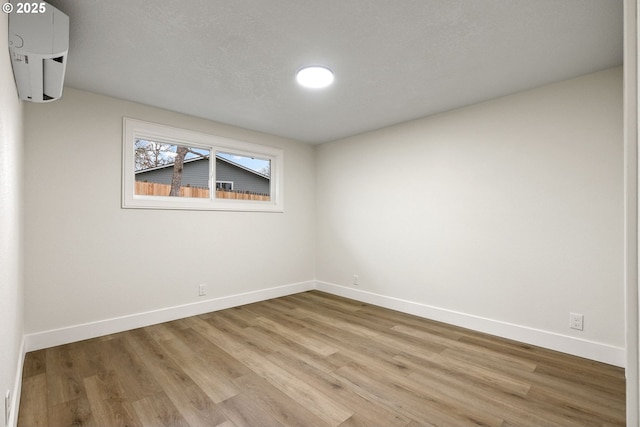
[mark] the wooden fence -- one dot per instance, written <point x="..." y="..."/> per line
<point x="238" y="195"/>
<point x="155" y="189"/>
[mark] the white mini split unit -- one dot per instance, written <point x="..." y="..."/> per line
<point x="38" y="45"/>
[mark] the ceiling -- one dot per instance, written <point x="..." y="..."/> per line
<point x="234" y="61"/>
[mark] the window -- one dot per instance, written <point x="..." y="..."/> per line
<point x="171" y="168"/>
<point x="224" y="185"/>
<point x="165" y="169"/>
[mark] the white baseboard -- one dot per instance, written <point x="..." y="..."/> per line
<point x="564" y="343"/>
<point x="17" y="387"/>
<point x="54" y="337"/>
<point x="571" y="345"/>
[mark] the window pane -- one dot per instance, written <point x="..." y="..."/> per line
<point x="242" y="177"/>
<point x="164" y="169"/>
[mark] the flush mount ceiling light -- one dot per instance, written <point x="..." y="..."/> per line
<point x="315" y="77"/>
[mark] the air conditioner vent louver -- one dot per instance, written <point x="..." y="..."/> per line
<point x="39" y="44"/>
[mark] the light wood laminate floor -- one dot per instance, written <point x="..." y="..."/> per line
<point x="314" y="359"/>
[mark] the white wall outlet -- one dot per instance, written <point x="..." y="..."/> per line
<point x="356" y="280"/>
<point x="576" y="321"/>
<point x="7" y="407"/>
<point x="202" y="289"/>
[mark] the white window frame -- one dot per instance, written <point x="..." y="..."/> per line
<point x="224" y="182"/>
<point x="137" y="129"/>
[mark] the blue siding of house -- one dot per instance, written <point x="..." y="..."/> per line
<point x="196" y="174"/>
<point x="243" y="180"/>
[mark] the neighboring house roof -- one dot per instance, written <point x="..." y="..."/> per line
<point x="243" y="167"/>
<point x="170" y="165"/>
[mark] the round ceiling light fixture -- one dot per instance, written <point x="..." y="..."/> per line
<point x="315" y="77"/>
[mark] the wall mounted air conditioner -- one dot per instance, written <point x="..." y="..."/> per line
<point x="38" y="45"/>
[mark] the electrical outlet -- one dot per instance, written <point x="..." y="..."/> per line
<point x="7" y="407"/>
<point x="202" y="290"/>
<point x="356" y="280"/>
<point x="576" y="321"/>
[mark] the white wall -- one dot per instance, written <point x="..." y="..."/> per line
<point x="507" y="212"/>
<point x="11" y="283"/>
<point x="88" y="260"/>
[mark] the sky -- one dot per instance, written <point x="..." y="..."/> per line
<point x="258" y="165"/>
